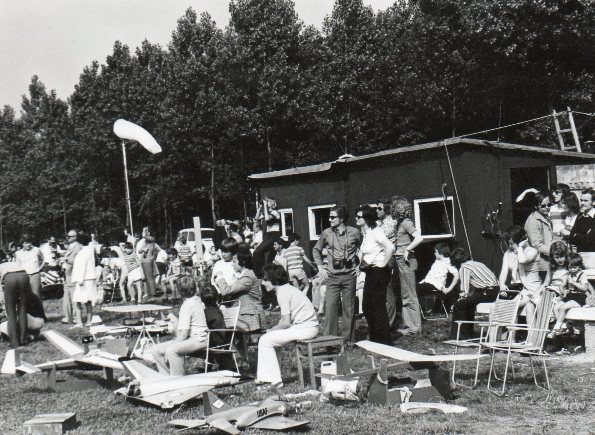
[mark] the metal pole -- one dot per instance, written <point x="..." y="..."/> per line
<point x="127" y="188"/>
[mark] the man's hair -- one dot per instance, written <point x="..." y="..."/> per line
<point x="516" y="233"/>
<point x="209" y="295"/>
<point x="458" y="256"/>
<point x="186" y="287"/>
<point x="281" y="242"/>
<point x="84" y="238"/>
<point x="292" y="237"/>
<point x="442" y="249"/>
<point x="26" y="238"/>
<point x="276" y="274"/>
<point x="128" y="245"/>
<point x="245" y="259"/>
<point x="341" y="211"/>
<point x="171" y="251"/>
<point x="229" y="245"/>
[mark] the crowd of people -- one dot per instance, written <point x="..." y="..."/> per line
<point x="256" y="266"/>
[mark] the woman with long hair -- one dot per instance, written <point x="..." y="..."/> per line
<point x="408" y="238"/>
<point x="572" y="208"/>
<point x="375" y="252"/>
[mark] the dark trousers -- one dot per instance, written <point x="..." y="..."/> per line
<point x="16" y="285"/>
<point x="149" y="278"/>
<point x="464" y="309"/>
<point x="264" y="253"/>
<point x="374" y="304"/>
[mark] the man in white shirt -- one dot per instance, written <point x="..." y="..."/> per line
<point x="191" y="332"/>
<point x="31" y="259"/>
<point x="224" y="267"/>
<point x="298" y="322"/>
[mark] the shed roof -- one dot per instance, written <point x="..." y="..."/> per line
<point x="570" y="157"/>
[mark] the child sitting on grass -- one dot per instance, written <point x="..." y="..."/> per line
<point x="435" y="280"/>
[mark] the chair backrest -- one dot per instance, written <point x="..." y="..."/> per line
<point x="231" y="313"/>
<point x="541" y="319"/>
<point x="504" y="312"/>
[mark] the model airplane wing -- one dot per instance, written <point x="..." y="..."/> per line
<point x="141" y="372"/>
<point x="407" y="356"/>
<point x="63" y="343"/>
<point x="279" y="422"/>
<point x="187" y="424"/>
<point x="169" y="399"/>
<point x="224" y="425"/>
<point x="12" y="364"/>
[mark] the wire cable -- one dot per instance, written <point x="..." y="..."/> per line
<point x="511" y="125"/>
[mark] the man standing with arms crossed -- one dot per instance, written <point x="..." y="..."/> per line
<point x="71" y="313"/>
<point x="342" y="243"/>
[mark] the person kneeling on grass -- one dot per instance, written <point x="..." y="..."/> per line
<point x="298" y="322"/>
<point x="191" y="331"/>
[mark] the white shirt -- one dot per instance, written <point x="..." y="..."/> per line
<point x="192" y="318"/>
<point x="225" y="268"/>
<point x="296" y="304"/>
<point x="372" y="249"/>
<point x="439" y="272"/>
<point x="30" y="260"/>
<point x="84" y="265"/>
<point x="161" y="256"/>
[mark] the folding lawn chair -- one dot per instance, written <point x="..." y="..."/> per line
<point x="231" y="313"/>
<point x="532" y="346"/>
<point x="503" y="313"/>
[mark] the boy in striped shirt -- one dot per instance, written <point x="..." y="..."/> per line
<point x="133" y="273"/>
<point x="295" y="257"/>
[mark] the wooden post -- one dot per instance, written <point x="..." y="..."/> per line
<point x="198" y="242"/>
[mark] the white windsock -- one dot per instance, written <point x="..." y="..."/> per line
<point x="127" y="130"/>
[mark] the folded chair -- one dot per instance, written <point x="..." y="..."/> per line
<point x="504" y="313"/>
<point x="531" y="347"/>
<point x="231" y="313"/>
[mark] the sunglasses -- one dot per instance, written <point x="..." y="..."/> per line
<point x="545" y="205"/>
<point x="333" y="217"/>
<point x="359" y="216"/>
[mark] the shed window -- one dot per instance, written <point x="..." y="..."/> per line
<point x="434" y="217"/>
<point x="318" y="219"/>
<point x="286" y="221"/>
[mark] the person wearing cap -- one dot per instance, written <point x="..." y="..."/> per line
<point x="31" y="259"/>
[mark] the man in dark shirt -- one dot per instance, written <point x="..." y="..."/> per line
<point x="582" y="234"/>
<point x="215" y="320"/>
<point x="342" y="243"/>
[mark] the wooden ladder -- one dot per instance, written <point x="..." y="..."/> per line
<point x="572" y="129"/>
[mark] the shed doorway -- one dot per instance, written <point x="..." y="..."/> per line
<point x="522" y="179"/>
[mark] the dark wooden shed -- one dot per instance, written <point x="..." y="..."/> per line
<point x="463" y="190"/>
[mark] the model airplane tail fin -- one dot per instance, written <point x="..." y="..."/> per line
<point x="63" y="343"/>
<point x="141" y="372"/>
<point x="12" y="364"/>
<point x="213" y="404"/>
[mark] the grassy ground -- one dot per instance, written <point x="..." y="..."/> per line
<point x="569" y="409"/>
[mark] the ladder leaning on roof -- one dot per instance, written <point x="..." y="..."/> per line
<point x="572" y="129"/>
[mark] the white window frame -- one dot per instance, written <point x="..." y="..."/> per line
<point x="282" y="213"/>
<point x="416" y="203"/>
<point x="312" y="221"/>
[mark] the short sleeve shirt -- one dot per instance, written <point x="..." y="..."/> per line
<point x="192" y="318"/>
<point x="296" y="304"/>
<point x="404" y="235"/>
<point x="372" y="248"/>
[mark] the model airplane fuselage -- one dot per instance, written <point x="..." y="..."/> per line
<point x="168" y="391"/>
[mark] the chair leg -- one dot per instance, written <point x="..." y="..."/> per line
<point x="312" y="368"/>
<point x="298" y="357"/>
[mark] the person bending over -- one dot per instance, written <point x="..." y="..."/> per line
<point x="35" y="315"/>
<point x="191" y="331"/>
<point x="298" y="322"/>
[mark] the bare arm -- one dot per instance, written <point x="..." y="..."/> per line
<point x="284" y="323"/>
<point x="455" y="281"/>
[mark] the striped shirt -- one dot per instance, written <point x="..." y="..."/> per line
<point x="477" y="275"/>
<point x="184" y="252"/>
<point x="131" y="262"/>
<point x="295" y="257"/>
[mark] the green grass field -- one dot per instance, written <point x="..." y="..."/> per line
<point x="570" y="408"/>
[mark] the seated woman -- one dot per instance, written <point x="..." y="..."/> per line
<point x="191" y="331"/>
<point x="298" y="322"/>
<point x="246" y="288"/>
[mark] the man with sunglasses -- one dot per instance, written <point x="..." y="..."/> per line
<point x="71" y="313"/>
<point x="342" y="243"/>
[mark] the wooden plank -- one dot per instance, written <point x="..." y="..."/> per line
<point x="46" y="424"/>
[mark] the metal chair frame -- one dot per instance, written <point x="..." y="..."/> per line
<point x="231" y="314"/>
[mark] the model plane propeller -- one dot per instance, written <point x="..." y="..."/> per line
<point x="269" y="414"/>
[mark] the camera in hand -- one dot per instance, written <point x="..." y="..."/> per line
<point x="344" y="263"/>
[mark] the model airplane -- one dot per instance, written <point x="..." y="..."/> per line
<point x="412" y="357"/>
<point x="167" y="391"/>
<point x="77" y="358"/>
<point x="269" y="414"/>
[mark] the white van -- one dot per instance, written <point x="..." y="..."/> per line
<point x="206" y="233"/>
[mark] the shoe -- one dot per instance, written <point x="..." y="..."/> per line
<point x="552" y="334"/>
<point x="76" y="325"/>
<point x="408" y="331"/>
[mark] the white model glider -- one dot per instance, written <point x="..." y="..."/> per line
<point x="411" y="357"/>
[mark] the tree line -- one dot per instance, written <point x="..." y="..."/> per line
<point x="268" y="92"/>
